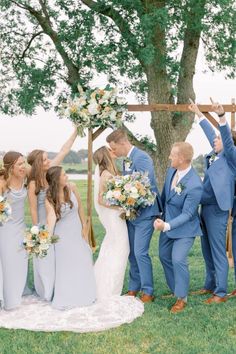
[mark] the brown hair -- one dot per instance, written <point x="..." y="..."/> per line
<point x="117" y="136"/>
<point x="102" y="158"/>
<point x="185" y="149"/>
<point x="53" y="178"/>
<point x="9" y="160"/>
<point x="35" y="160"/>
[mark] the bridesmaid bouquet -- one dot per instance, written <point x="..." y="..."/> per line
<point x="93" y="108"/>
<point x="129" y="192"/>
<point x="37" y="241"/>
<point x="5" y="210"/>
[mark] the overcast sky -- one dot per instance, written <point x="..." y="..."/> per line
<point x="46" y="131"/>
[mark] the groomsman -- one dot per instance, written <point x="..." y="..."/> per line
<point x="230" y="152"/>
<point x="180" y="198"/>
<point x="217" y="200"/>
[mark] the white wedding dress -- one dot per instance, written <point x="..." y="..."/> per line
<point x="113" y="256"/>
<point x="38" y="315"/>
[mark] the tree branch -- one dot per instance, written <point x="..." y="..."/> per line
<point x="19" y="5"/>
<point x="190" y="52"/>
<point x="122" y="24"/>
<point x="29" y="44"/>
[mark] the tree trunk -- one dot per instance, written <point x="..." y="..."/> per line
<point x="161" y="122"/>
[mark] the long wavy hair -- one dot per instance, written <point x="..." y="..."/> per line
<point x="35" y="160"/>
<point x="102" y="158"/>
<point x="53" y="178"/>
<point x="9" y="159"/>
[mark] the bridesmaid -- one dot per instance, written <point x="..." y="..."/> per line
<point x="74" y="278"/>
<point x="44" y="269"/>
<point x="14" y="261"/>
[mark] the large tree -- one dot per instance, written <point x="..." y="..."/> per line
<point x="152" y="45"/>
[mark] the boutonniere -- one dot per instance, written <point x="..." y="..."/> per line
<point x="179" y="188"/>
<point x="212" y="159"/>
<point x="127" y="163"/>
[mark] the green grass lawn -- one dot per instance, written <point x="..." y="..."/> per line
<point x="199" y="329"/>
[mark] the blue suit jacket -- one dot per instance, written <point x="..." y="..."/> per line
<point x="230" y="153"/>
<point x="220" y="172"/>
<point x="181" y="210"/>
<point x="142" y="162"/>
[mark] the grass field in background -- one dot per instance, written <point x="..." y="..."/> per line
<point x="199" y="329"/>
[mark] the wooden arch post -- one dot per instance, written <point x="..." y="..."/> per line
<point x="205" y="109"/>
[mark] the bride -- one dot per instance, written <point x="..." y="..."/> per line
<point x="112" y="260"/>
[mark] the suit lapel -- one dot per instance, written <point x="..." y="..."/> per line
<point x="170" y="192"/>
<point x="183" y="181"/>
<point x="132" y="157"/>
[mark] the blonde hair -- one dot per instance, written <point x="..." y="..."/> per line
<point x="185" y="150"/>
<point x="117" y="136"/>
<point x="102" y="158"/>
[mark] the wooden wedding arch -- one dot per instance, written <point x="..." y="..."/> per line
<point x="93" y="134"/>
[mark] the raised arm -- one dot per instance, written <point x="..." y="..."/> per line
<point x="228" y="143"/>
<point x="33" y="203"/>
<point x="205" y="125"/>
<point x="64" y="150"/>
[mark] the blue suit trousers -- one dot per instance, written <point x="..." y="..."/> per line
<point x="214" y="224"/>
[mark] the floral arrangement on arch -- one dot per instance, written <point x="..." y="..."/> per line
<point x="93" y="108"/>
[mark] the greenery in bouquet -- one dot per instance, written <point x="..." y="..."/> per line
<point x="93" y="108"/>
<point x="5" y="210"/>
<point x="130" y="193"/>
<point x="38" y="240"/>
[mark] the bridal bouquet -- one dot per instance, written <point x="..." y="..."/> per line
<point x="5" y="210"/>
<point x="129" y="192"/>
<point x="94" y="108"/>
<point x="37" y="241"/>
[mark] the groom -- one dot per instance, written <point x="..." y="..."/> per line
<point x="141" y="229"/>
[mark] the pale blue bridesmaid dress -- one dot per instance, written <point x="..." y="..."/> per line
<point x="13" y="258"/>
<point x="75" y="280"/>
<point x="44" y="268"/>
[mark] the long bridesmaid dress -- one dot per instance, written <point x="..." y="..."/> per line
<point x="13" y="258"/>
<point x="75" y="281"/>
<point x="44" y="268"/>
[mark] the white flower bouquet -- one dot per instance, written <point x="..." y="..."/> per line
<point x="130" y="193"/>
<point x="37" y="241"/>
<point x="5" y="210"/>
<point x="94" y="108"/>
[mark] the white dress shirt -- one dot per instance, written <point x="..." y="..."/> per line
<point x="129" y="153"/>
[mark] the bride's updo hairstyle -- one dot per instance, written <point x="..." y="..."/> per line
<point x="35" y="160"/>
<point x="9" y="160"/>
<point x="53" y="178"/>
<point x="103" y="159"/>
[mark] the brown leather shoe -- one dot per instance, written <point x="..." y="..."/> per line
<point x="215" y="300"/>
<point x="232" y="294"/>
<point x="147" y="298"/>
<point x="178" y="306"/>
<point x="201" y="292"/>
<point x="132" y="293"/>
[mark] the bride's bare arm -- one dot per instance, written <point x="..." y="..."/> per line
<point x="105" y="176"/>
